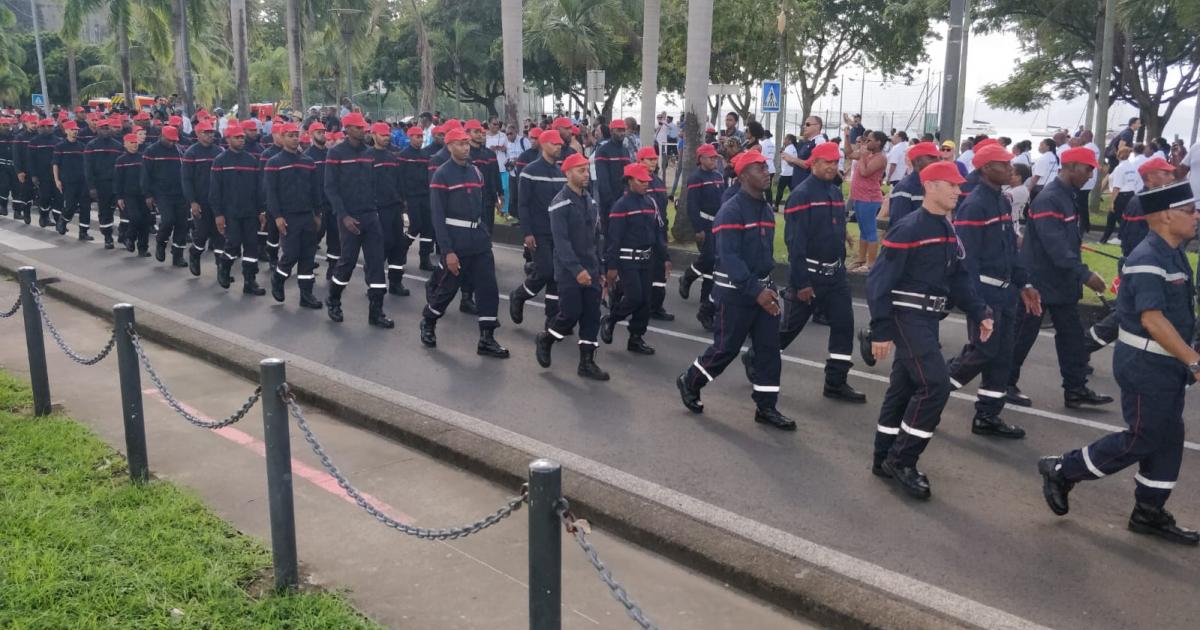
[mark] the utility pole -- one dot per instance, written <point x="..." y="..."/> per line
<point x="698" y="55"/>
<point x="862" y="92"/>
<point x="514" y="69"/>
<point x="783" y="89"/>
<point x="189" y="104"/>
<point x="962" y="68"/>
<point x="651" y="15"/>
<point x="37" y="42"/>
<point x="1105" y="84"/>
<point x="841" y="106"/>
<point x="237" y="16"/>
<point x="949" y="126"/>
<point x="1097" y="61"/>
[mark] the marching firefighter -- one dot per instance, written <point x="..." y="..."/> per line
<point x="918" y="273"/>
<point x="41" y="167"/>
<point x="815" y="233"/>
<point x="69" y="179"/>
<point x="747" y="303"/>
<point x="635" y="237"/>
<point x="539" y="184"/>
<point x="659" y="272"/>
<point x="197" y="174"/>
<point x="1154" y="365"/>
<point x="574" y="222"/>
<point x="318" y="151"/>
<point x="414" y="187"/>
<point x="486" y="161"/>
<point x="23" y="167"/>
<point x="464" y="244"/>
<point x="348" y="184"/>
<point x="985" y="229"/>
<point x="292" y="191"/>
<point x="389" y="203"/>
<point x="99" y="166"/>
<point x="703" y="201"/>
<point x="611" y="159"/>
<point x="8" y="175"/>
<point x="162" y="181"/>
<point x="131" y="200"/>
<point x="235" y="193"/>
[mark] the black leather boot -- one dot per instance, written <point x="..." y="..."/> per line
<point x="771" y="416"/>
<point x="1156" y="521"/>
<point x="177" y="257"/>
<point x="1055" y="487"/>
<point x="587" y="363"/>
<point x="84" y="236"/>
<point x="637" y="345"/>
<point x="194" y="261"/>
<point x="991" y="424"/>
<point x="864" y="347"/>
<point x="307" y="299"/>
<point x="844" y="392"/>
<point x="429" y="332"/>
<point x="224" y="272"/>
<point x="662" y="315"/>
<point x="489" y="347"/>
<point x="685" y="283"/>
<point x="706" y="319"/>
<point x="1076" y="398"/>
<point x="277" y="281"/>
<point x="516" y="304"/>
<point x="689" y="396"/>
<point x="467" y="304"/>
<point x="911" y="480"/>
<point x="333" y="304"/>
<point x="108" y="238"/>
<point x="748" y="364"/>
<point x="544" y="343"/>
<point x="396" y="283"/>
<point x="60" y="225"/>
<point x="1014" y="396"/>
<point x="607" y="326"/>
<point x="250" y="283"/>
<point x="426" y="262"/>
<point x="160" y="250"/>
<point x="375" y="314"/>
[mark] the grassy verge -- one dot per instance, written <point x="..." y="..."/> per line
<point x="81" y="547"/>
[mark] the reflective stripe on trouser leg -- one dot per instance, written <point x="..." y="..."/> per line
<point x="927" y="370"/>
<point x="577" y="305"/>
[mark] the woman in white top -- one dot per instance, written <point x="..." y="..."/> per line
<point x="1045" y="168"/>
<point x="785" y="169"/>
<point x="1123" y="183"/>
<point x="1021" y="154"/>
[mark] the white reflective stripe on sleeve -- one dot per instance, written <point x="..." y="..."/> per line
<point x="1087" y="461"/>
<point x="262" y="233"/>
<point x="840" y="357"/>
<point x="1153" y="270"/>
<point x="554" y="206"/>
<point x="989" y="393"/>
<point x="702" y="370"/>
<point x="724" y="284"/>
<point x="539" y="178"/>
<point x="888" y="430"/>
<point x="916" y="432"/>
<point x="1095" y="337"/>
<point x="771" y="389"/>
<point x="1150" y="483"/>
<point x="556" y="334"/>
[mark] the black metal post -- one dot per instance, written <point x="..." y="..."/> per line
<point x="545" y="546"/>
<point x="131" y="394"/>
<point x="39" y="379"/>
<point x="279" y="475"/>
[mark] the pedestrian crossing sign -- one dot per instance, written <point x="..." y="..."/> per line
<point x="39" y="101"/>
<point x="770" y="97"/>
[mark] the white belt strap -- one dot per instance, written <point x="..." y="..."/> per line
<point x="995" y="282"/>
<point x="461" y="223"/>
<point x="1141" y="343"/>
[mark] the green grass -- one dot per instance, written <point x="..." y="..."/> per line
<point x="81" y="547"/>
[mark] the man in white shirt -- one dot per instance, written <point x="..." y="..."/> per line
<point x="497" y="142"/>
<point x="1082" y="200"/>
<point x="897" y="158"/>
<point x="967" y="157"/>
<point x="1193" y="164"/>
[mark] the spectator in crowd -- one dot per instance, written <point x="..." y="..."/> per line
<point x="897" y="161"/>
<point x="1045" y="169"/>
<point x="1018" y="194"/>
<point x="1125" y="137"/>
<point x="788" y="160"/>
<point x="855" y="126"/>
<point x="731" y="127"/>
<point x="1021" y="154"/>
<point x="967" y="154"/>
<point x="1123" y="184"/>
<point x="866" y="193"/>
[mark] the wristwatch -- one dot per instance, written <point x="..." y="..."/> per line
<point x="1194" y="367"/>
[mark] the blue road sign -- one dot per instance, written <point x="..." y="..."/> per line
<point x="39" y="100"/>
<point x="770" y="97"/>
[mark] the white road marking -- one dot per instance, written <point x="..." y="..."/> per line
<point x="20" y="242"/>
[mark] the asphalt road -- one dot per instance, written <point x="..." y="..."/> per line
<point x="986" y="534"/>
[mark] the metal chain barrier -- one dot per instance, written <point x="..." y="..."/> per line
<point x="579" y="529"/>
<point x="174" y="404"/>
<point x="12" y="311"/>
<point x="451" y="533"/>
<point x="58" y="338"/>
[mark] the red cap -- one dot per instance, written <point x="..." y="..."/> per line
<point x="1082" y="155"/>
<point x="636" y="171"/>
<point x="535" y="133"/>
<point x="941" y="171"/>
<point x="141" y="116"/>
<point x="1155" y="164"/>
<point x="78" y="108"/>
<point x="62" y="114"/>
<point x="114" y="121"/>
<point x="93" y="116"/>
<point x="304" y="139"/>
<point x="437" y="130"/>
<point x="316" y="126"/>
<point x="334" y="136"/>
<point x="46" y="122"/>
<point x="923" y="149"/>
<point x="415" y="130"/>
<point x="646" y="153"/>
<point x="706" y="150"/>
<point x="986" y="142"/>
<point x="354" y="119"/>
<point x="170" y="133"/>
<point x="235" y="131"/>
<point x="131" y="137"/>
<point x="991" y="153"/>
<point x="575" y="129"/>
<point x="381" y="128"/>
<point x="550" y="138"/>
<point x="6" y="121"/>
<point x="617" y="124"/>
<point x="751" y="157"/>
<point x="575" y="159"/>
<point x="70" y="124"/>
<point x="250" y="125"/>
<point x="453" y="123"/>
<point x="473" y="125"/>
<point x="28" y="118"/>
<point x="174" y="121"/>
<point x="827" y="151"/>
<point x="203" y="126"/>
<point x="562" y="123"/>
<point x="287" y="127"/>
<point x="711" y="129"/>
<point x="456" y="135"/>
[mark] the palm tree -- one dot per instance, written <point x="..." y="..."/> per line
<point x="119" y="16"/>
<point x="13" y="82"/>
<point x="241" y="62"/>
<point x="699" y="54"/>
<point x="295" y="67"/>
<point x="425" y="53"/>
<point x="511" y="25"/>
<point x="650" y="17"/>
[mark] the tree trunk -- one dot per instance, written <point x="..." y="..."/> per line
<point x="183" y="57"/>
<point x="651" y="13"/>
<point x="514" y="61"/>
<point x="1152" y="123"/>
<point x="699" y="54"/>
<point x="295" y="66"/>
<point x="72" y="76"/>
<point x="123" y="53"/>
<point x="237" y="27"/>
<point x="426" y="56"/>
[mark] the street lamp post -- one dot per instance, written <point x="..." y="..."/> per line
<point x="347" y="36"/>
<point x="37" y="41"/>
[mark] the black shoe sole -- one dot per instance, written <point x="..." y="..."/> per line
<point x="1077" y="404"/>
<point x="858" y="400"/>
<point x="1018" y="402"/>
<point x="495" y="355"/>
<point x="998" y="434"/>
<point x="915" y="493"/>
<point x="781" y="427"/>
<point x="1138" y="528"/>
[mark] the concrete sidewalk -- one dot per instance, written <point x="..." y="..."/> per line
<point x="401" y="582"/>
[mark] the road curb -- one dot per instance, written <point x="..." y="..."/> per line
<point x="785" y="581"/>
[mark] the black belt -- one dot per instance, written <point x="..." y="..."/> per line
<point x="635" y="255"/>
<point x="919" y="301"/>
<point x="823" y="268"/>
